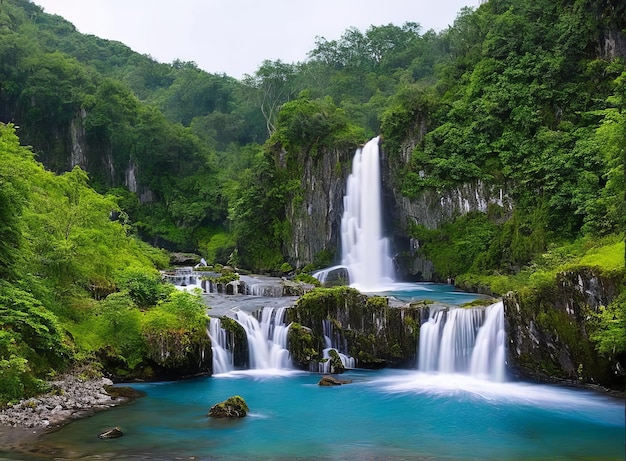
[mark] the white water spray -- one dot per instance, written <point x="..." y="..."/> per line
<point x="489" y="356"/>
<point x="465" y="341"/>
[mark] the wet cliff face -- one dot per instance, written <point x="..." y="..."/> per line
<point x="68" y="145"/>
<point x="549" y="329"/>
<point x="431" y="208"/>
<point x="315" y="213"/>
<point x="367" y="328"/>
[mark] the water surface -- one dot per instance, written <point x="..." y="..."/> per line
<point x="439" y="292"/>
<point x="387" y="414"/>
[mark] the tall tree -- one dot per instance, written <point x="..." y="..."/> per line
<point x="271" y="86"/>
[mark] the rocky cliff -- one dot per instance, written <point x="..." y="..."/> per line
<point x="430" y="208"/>
<point x="315" y="213"/>
<point x="366" y="328"/>
<point x="549" y="329"/>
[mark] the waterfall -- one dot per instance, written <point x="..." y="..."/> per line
<point x="334" y="341"/>
<point x="267" y="338"/>
<point x="222" y="357"/>
<point x="457" y="339"/>
<point x="464" y="341"/>
<point x="489" y="357"/>
<point x="430" y="335"/>
<point x="267" y="290"/>
<point x="365" y="252"/>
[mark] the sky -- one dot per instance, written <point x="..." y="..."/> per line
<point x="235" y="36"/>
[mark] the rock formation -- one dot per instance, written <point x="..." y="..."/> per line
<point x="549" y="330"/>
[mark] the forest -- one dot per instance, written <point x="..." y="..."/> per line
<point x="110" y="160"/>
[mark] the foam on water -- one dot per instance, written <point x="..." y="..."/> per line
<point x="576" y="403"/>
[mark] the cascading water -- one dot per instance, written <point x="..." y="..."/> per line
<point x="365" y="252"/>
<point x="334" y="341"/>
<point x="267" y="338"/>
<point x="222" y="357"/>
<point x="457" y="339"/>
<point x="489" y="356"/>
<point x="464" y="341"/>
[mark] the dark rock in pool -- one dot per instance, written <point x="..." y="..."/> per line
<point x="114" y="433"/>
<point x="233" y="407"/>
<point x="328" y="380"/>
<point x="123" y="391"/>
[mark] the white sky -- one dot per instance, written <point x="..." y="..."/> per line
<point x="235" y="36"/>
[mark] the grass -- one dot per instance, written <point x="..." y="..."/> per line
<point x="605" y="254"/>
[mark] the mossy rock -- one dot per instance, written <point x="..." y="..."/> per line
<point x="303" y="346"/>
<point x="232" y="407"/>
<point x="375" y="333"/>
<point x="239" y="341"/>
<point x="336" y="365"/>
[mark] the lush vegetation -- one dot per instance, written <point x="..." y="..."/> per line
<point x="77" y="285"/>
<point x="524" y="96"/>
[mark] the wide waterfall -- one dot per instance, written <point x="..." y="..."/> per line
<point x="462" y="340"/>
<point x="365" y="252"/>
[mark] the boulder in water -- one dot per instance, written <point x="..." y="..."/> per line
<point x="233" y="407"/>
<point x="328" y="380"/>
<point x="114" y="433"/>
<point x="123" y="392"/>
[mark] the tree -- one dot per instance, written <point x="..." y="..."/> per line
<point x="271" y="86"/>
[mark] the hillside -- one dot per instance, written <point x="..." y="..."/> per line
<point x="504" y="141"/>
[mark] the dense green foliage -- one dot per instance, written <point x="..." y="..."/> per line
<point x="182" y="140"/>
<point x="530" y="103"/>
<point x="74" y="280"/>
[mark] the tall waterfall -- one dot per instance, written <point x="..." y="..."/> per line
<point x="464" y="341"/>
<point x="365" y="252"/>
<point x="267" y="338"/>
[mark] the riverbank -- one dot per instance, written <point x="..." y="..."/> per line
<point x="70" y="398"/>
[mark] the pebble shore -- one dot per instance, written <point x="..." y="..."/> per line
<point x="70" y="398"/>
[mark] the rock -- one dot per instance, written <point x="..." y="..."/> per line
<point x="123" y="391"/>
<point x="184" y="259"/>
<point x="114" y="433"/>
<point x="366" y="327"/>
<point x="70" y="397"/>
<point x="233" y="407"/>
<point x="336" y="365"/>
<point x="328" y="380"/>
